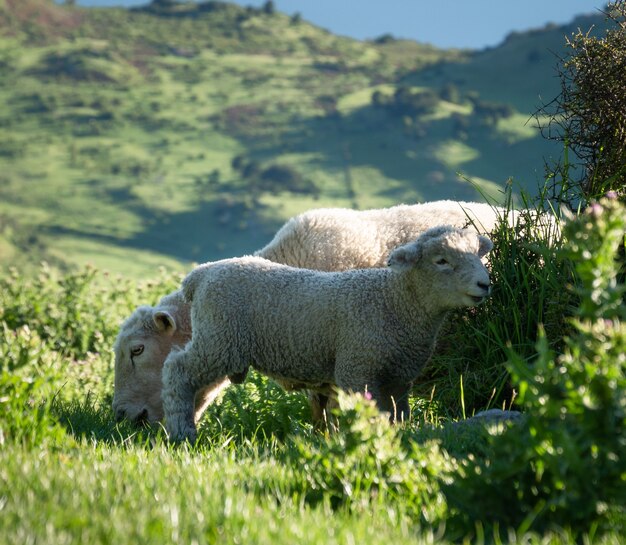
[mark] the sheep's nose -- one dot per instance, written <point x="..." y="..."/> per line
<point x="120" y="414"/>
<point x="484" y="286"/>
<point x="142" y="418"/>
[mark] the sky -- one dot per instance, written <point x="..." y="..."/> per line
<point x="473" y="24"/>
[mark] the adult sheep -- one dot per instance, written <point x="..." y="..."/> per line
<point x="331" y="239"/>
<point x="360" y="330"/>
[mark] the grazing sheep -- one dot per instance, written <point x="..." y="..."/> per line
<point x="324" y="239"/>
<point x="339" y="239"/>
<point x="360" y="330"/>
<point x="331" y="239"/>
<point x="145" y="339"/>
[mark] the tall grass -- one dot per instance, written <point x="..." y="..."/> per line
<point x="564" y="465"/>
<point x="529" y="291"/>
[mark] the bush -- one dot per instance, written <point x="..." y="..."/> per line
<point x="363" y="464"/>
<point x="589" y="115"/>
<point x="274" y="178"/>
<point x="406" y="102"/>
<point x="565" y="465"/>
<point x="256" y="410"/>
<point x="77" y="313"/>
<point x="30" y="373"/>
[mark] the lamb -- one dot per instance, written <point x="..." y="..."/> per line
<point x="359" y="330"/>
<point x="331" y="239"/>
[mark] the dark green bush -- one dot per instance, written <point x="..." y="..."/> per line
<point x="468" y="371"/>
<point x="363" y="462"/>
<point x="565" y="465"/>
<point x="589" y="114"/>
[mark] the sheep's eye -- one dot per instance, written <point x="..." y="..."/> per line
<point x="134" y="352"/>
<point x="441" y="261"/>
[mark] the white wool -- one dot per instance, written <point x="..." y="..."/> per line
<point x="360" y="330"/>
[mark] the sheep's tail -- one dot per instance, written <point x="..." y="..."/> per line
<point x="190" y="284"/>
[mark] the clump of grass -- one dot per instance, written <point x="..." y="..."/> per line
<point x="468" y="373"/>
<point x="364" y="463"/>
<point x="258" y="410"/>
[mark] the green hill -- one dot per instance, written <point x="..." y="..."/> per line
<point x="134" y="138"/>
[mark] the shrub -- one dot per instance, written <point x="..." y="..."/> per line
<point x="565" y="465"/>
<point x="29" y="373"/>
<point x="274" y="178"/>
<point x="77" y="313"/>
<point x="258" y="409"/>
<point x="363" y="463"/>
<point x="488" y="113"/>
<point x="26" y="419"/>
<point x="406" y="102"/>
<point x="589" y="113"/>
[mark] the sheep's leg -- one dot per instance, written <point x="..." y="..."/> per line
<point x="318" y="403"/>
<point x="178" y="397"/>
<point x="390" y="398"/>
<point x="186" y="373"/>
<point x="321" y="405"/>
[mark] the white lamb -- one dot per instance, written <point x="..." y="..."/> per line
<point x="360" y="330"/>
<point x="331" y="239"/>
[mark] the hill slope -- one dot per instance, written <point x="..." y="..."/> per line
<point x="187" y="132"/>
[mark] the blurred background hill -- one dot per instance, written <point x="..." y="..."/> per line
<point x="172" y="133"/>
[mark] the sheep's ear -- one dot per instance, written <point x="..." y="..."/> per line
<point x="164" y="321"/>
<point x="404" y="257"/>
<point x="484" y="246"/>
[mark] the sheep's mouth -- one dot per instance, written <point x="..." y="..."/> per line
<point x="476" y="299"/>
<point x="141" y="419"/>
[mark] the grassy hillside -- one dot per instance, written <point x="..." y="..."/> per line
<point x="120" y="129"/>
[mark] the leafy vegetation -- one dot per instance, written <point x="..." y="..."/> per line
<point x="563" y="465"/>
<point x="587" y="114"/>
<point x="528" y="293"/>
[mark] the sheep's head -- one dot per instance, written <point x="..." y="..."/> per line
<point x="446" y="263"/>
<point x="144" y="341"/>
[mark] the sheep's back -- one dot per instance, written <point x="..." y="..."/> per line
<point x="280" y="318"/>
<point x="338" y="239"/>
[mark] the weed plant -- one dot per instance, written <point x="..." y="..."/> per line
<point x="564" y="466"/>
